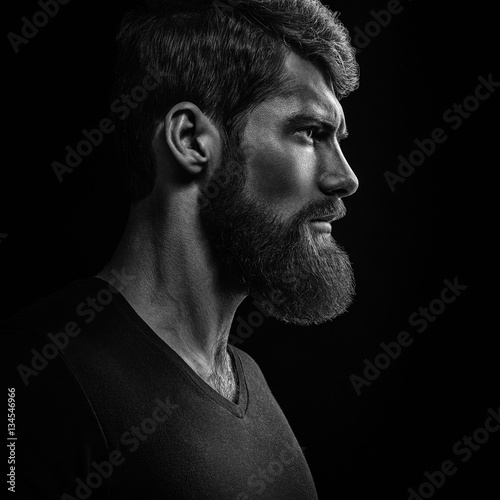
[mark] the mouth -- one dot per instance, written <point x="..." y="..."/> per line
<point x="324" y="224"/>
<point x="329" y="218"/>
<point x="321" y="226"/>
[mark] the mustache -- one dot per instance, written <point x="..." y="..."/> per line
<point x="333" y="208"/>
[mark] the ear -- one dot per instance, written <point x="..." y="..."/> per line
<point x="192" y="138"/>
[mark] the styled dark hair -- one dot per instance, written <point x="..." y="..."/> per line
<point x="225" y="56"/>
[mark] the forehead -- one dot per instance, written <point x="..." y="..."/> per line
<point x="307" y="86"/>
<point x="306" y="91"/>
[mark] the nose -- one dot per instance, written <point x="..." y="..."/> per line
<point x="339" y="179"/>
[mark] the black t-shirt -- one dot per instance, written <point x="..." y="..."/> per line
<point x="105" y="409"/>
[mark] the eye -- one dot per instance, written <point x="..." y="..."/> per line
<point x="314" y="133"/>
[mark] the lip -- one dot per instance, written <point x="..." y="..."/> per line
<point x="329" y="218"/>
<point x="322" y="226"/>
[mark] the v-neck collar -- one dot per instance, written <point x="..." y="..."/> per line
<point x="238" y="409"/>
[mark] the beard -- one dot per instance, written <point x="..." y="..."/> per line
<point x="293" y="273"/>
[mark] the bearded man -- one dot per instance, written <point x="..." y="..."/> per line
<point x="235" y="175"/>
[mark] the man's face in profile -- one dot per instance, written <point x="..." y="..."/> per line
<point x="288" y="172"/>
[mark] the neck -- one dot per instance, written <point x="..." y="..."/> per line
<point x="177" y="291"/>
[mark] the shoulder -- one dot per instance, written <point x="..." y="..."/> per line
<point x="54" y="310"/>
<point x="84" y="304"/>
<point x="37" y="336"/>
<point x="36" y="339"/>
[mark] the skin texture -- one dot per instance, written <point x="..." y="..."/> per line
<point x="183" y="290"/>
<point x="286" y="169"/>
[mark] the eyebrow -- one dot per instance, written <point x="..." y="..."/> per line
<point x="301" y="119"/>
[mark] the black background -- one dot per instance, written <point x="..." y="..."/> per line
<point x="403" y="244"/>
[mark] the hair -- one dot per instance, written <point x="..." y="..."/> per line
<point x="224" y="56"/>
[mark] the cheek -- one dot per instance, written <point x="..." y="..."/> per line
<point x="281" y="177"/>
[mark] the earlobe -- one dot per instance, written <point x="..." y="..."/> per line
<point x="187" y="137"/>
